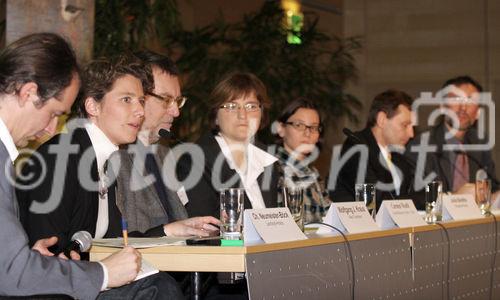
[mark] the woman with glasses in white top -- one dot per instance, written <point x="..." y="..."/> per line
<point x="299" y="128"/>
<point x="237" y="110"/>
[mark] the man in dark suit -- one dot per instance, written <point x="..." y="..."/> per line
<point x="379" y="153"/>
<point x="456" y="168"/>
<point x="77" y="179"/>
<point x="149" y="196"/>
<point x="38" y="82"/>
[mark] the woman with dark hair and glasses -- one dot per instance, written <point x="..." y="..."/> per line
<point x="238" y="106"/>
<point x="299" y="128"/>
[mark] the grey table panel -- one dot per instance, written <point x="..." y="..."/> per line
<point x="384" y="268"/>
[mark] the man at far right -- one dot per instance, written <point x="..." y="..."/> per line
<point x="452" y="160"/>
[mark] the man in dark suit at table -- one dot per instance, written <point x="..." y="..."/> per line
<point x="388" y="129"/>
<point x="148" y="194"/>
<point x="38" y="82"/>
<point x="456" y="168"/>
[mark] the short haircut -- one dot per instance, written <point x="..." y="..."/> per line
<point x="465" y="79"/>
<point x="100" y="75"/>
<point x="43" y="58"/>
<point x="295" y="105"/>
<point x="160" y="61"/>
<point x="388" y="102"/>
<point x="234" y="86"/>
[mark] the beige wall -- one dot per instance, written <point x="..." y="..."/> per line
<point x="416" y="45"/>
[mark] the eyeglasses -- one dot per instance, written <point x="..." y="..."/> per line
<point x="169" y="100"/>
<point x="461" y="99"/>
<point x="248" y="107"/>
<point x="302" y="127"/>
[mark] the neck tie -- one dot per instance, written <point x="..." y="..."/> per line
<point x="461" y="171"/>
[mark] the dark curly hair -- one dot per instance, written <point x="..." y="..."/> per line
<point x="100" y="75"/>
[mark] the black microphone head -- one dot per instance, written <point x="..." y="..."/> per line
<point x="165" y="133"/>
<point x="84" y="239"/>
<point x="347" y="131"/>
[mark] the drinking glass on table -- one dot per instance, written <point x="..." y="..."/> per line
<point x="231" y="213"/>
<point x="433" y="201"/>
<point x="483" y="195"/>
<point x="293" y="197"/>
<point x="365" y="192"/>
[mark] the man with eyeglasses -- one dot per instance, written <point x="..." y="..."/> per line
<point x="457" y="168"/>
<point x="151" y="201"/>
<point x="389" y="127"/>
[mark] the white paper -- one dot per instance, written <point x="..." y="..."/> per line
<point x="273" y="225"/>
<point x="460" y="207"/>
<point x="398" y="213"/>
<point x="146" y="270"/>
<point x="140" y="243"/>
<point x="349" y="217"/>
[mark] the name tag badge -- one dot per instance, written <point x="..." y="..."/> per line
<point x="181" y="192"/>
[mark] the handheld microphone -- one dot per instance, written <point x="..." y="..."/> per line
<point x="81" y="241"/>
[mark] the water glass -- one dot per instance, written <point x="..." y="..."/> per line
<point x="365" y="192"/>
<point x="231" y="213"/>
<point x="483" y="195"/>
<point x="433" y="201"/>
<point x="294" y="200"/>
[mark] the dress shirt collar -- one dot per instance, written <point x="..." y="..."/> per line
<point x="103" y="147"/>
<point x="8" y="141"/>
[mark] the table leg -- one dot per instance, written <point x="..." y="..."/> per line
<point x="196" y="286"/>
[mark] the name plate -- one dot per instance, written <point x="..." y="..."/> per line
<point x="349" y="217"/>
<point x="460" y="207"/>
<point x="272" y="225"/>
<point x="398" y="213"/>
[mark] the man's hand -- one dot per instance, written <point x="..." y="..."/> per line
<point x="200" y="226"/>
<point x="122" y="266"/>
<point x="43" y="246"/>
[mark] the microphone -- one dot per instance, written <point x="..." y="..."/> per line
<point x="165" y="134"/>
<point x="348" y="132"/>
<point x="81" y="241"/>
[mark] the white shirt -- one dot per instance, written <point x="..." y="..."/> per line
<point x="395" y="176"/>
<point x="257" y="160"/>
<point x="103" y="148"/>
<point x="8" y="141"/>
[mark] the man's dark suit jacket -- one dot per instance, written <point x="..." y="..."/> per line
<point x="375" y="172"/>
<point x="26" y="272"/>
<point x="78" y="205"/>
<point x="441" y="164"/>
<point x="203" y="196"/>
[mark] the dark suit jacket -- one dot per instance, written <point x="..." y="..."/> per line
<point x="375" y="172"/>
<point x="77" y="182"/>
<point x="203" y="196"/>
<point x="441" y="164"/>
<point x="145" y="200"/>
<point x="25" y="272"/>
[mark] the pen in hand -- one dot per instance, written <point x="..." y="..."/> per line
<point x="125" y="232"/>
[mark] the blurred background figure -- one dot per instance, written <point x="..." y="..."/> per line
<point x="299" y="128"/>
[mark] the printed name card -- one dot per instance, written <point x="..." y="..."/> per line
<point x="349" y="217"/>
<point x="460" y="207"/>
<point x="398" y="213"/>
<point x="273" y="225"/>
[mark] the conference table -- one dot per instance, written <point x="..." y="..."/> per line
<point x="451" y="260"/>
